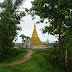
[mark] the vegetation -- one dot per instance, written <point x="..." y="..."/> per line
<point x="56" y="59"/>
<point x="24" y="37"/>
<point x="9" y="19"/>
<point x="14" y="54"/>
<point x="39" y="63"/>
<point x="53" y="45"/>
<point x="59" y="14"/>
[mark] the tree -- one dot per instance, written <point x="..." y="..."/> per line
<point x="9" y="19"/>
<point x="27" y="37"/>
<point x="67" y="49"/>
<point x="23" y="36"/>
<point x="67" y="42"/>
<point x="58" y="13"/>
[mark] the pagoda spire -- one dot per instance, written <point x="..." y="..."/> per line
<point x="35" y="39"/>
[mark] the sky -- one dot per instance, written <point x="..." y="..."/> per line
<point x="27" y="25"/>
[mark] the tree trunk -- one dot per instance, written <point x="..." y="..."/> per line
<point x="71" y="63"/>
<point x="55" y="62"/>
<point x="59" y="46"/>
<point x="66" y="59"/>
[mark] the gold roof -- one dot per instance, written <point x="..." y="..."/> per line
<point x="35" y="39"/>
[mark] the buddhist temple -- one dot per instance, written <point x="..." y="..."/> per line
<point x="35" y="39"/>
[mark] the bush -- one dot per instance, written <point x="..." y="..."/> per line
<point x="14" y="54"/>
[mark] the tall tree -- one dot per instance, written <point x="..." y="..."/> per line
<point x="57" y="12"/>
<point x="9" y="19"/>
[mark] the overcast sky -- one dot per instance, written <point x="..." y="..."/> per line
<point x="27" y="25"/>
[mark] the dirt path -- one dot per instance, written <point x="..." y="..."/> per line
<point x="24" y="59"/>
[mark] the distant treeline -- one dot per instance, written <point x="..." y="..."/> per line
<point x="18" y="44"/>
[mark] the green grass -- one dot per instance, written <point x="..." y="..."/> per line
<point x="15" y="54"/>
<point x="38" y="63"/>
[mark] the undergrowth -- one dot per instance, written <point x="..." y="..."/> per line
<point x="14" y="54"/>
<point x="38" y="63"/>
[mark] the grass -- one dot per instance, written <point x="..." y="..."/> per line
<point x="38" y="63"/>
<point x="14" y="54"/>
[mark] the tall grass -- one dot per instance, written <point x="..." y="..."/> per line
<point x="38" y="63"/>
<point x="14" y="54"/>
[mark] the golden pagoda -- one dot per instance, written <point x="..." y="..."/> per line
<point x="35" y="39"/>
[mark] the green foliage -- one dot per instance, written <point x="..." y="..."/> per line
<point x="38" y="63"/>
<point x="3" y="5"/>
<point x="59" y="14"/>
<point x="23" y="36"/>
<point x="13" y="55"/>
<point x="9" y="20"/>
<point x="54" y="10"/>
<point x="53" y="45"/>
<point x="67" y="43"/>
<point x="27" y="37"/>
